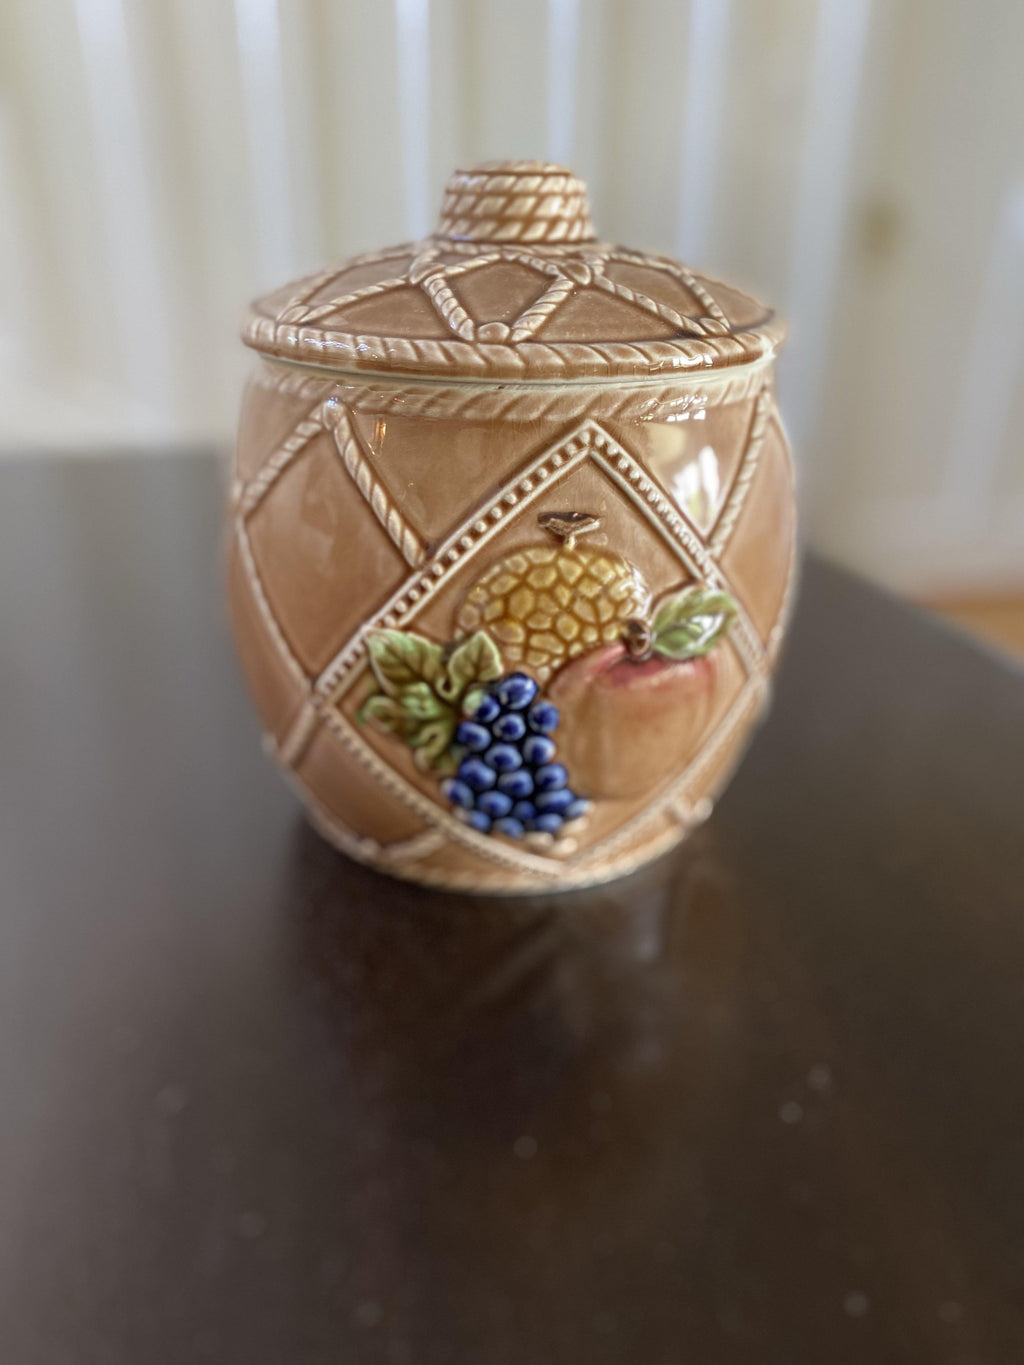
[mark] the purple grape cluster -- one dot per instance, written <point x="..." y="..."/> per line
<point x="508" y="781"/>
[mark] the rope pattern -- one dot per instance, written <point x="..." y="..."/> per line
<point x="409" y="598"/>
<point x="263" y="607"/>
<point x="299" y="735"/>
<point x="428" y="809"/>
<point x="271" y="470"/>
<point x="525" y="202"/>
<point x="654" y="402"/>
<point x="620" y="465"/>
<point x="677" y="270"/>
<point x="649" y="305"/>
<point x="647" y="400"/>
<point x="438" y="291"/>
<point x="277" y="377"/>
<point x="307" y="316"/>
<point x="679" y="533"/>
<point x="312" y="286"/>
<point x="594" y="864"/>
<point x="529" y="360"/>
<point x="462" y="879"/>
<point x="483" y="348"/>
<point x="414" y="848"/>
<point x="358" y="846"/>
<point x="330" y="415"/>
<point x="588" y="440"/>
<point x="331" y="826"/>
<point x="381" y="504"/>
<point x="602" y="859"/>
<point x="538" y="313"/>
<point x="342" y="836"/>
<point x="471" y="263"/>
<point x="730" y="514"/>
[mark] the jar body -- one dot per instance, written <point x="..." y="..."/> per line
<point x="391" y="540"/>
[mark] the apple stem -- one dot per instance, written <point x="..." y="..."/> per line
<point x="639" y="639"/>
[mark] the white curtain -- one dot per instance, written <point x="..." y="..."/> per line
<point x="856" y="162"/>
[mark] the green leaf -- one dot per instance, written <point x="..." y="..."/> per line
<point x="472" y="700"/>
<point x="386" y="711"/>
<point x="421" y="690"/>
<point x="476" y="659"/>
<point x="431" y="740"/>
<point x="419" y="701"/>
<point x="446" y="764"/>
<point x="691" y="622"/>
<point x="398" y="658"/>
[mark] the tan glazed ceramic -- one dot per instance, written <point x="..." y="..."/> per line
<point x="513" y="541"/>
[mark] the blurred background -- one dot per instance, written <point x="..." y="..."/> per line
<point x="860" y="163"/>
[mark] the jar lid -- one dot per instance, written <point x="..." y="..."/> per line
<point x="513" y="285"/>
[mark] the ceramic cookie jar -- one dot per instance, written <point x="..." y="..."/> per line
<point x="512" y="541"/>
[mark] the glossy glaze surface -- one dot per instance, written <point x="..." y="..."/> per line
<point x="514" y="286"/>
<point x="370" y="520"/>
<point x="759" y="1104"/>
<point x="388" y="514"/>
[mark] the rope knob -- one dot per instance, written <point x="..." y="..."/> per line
<point x="516" y="201"/>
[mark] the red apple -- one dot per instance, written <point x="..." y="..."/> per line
<point x="629" y="724"/>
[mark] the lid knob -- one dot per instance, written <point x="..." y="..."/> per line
<point x="515" y="201"/>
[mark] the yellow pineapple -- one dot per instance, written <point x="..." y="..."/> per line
<point x="548" y="603"/>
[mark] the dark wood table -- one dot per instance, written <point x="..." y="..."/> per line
<point x="762" y="1103"/>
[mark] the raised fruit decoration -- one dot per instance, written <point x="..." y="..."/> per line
<point x="548" y="603"/>
<point x="488" y="733"/>
<point x="515" y="788"/>
<point x="512" y="542"/>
